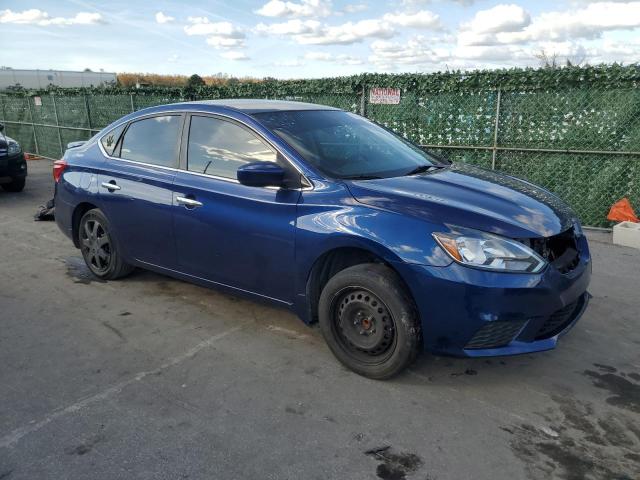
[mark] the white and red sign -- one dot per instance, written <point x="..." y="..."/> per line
<point x="37" y="101"/>
<point x="387" y="96"/>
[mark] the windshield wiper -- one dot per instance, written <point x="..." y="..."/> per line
<point x="423" y="168"/>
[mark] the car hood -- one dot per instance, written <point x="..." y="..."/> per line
<point x="471" y="197"/>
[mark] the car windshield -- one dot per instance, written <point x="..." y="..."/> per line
<point x="345" y="145"/>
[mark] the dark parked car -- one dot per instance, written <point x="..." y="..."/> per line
<point x="13" y="167"/>
<point x="391" y="249"/>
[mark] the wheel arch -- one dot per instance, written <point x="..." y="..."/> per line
<point x="78" y="212"/>
<point x="335" y="259"/>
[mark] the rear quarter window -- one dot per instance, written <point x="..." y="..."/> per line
<point x="110" y="140"/>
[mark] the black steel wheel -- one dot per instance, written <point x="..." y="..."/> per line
<point x="363" y="325"/>
<point x="369" y="320"/>
<point x="98" y="247"/>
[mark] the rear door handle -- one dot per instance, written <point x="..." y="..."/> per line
<point x="188" y="202"/>
<point x="112" y="187"/>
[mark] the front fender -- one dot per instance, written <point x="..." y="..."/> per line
<point x="394" y="237"/>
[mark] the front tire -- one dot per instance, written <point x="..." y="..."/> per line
<point x="369" y="320"/>
<point x="98" y="247"/>
<point x="16" y="185"/>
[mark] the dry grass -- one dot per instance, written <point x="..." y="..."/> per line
<point x="130" y="79"/>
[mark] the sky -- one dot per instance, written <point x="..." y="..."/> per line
<point x="312" y="38"/>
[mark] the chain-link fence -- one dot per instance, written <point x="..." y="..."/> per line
<point x="581" y="143"/>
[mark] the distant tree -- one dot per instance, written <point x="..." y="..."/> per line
<point x="552" y="60"/>
<point x="87" y="70"/>
<point x="195" y="80"/>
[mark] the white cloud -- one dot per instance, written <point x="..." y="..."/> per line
<point x="313" y="32"/>
<point x="203" y="26"/>
<point x="501" y="18"/>
<point x="327" y="57"/>
<point x="415" y="51"/>
<point x="319" y="56"/>
<point x="421" y="19"/>
<point x="306" y="8"/>
<point x="234" y="55"/>
<point x="589" y="22"/>
<point x="355" y="8"/>
<point x="224" y="42"/>
<point x="348" y="33"/>
<point x="220" y="35"/>
<point x="38" y="17"/>
<point x="503" y="53"/>
<point x="162" y="18"/>
<point x="419" y="3"/>
<point x="291" y="27"/>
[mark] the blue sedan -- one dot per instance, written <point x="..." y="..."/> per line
<point x="391" y="249"/>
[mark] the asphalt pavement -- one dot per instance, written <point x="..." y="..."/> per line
<point x="153" y="378"/>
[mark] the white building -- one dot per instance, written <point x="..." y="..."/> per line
<point x="34" y="79"/>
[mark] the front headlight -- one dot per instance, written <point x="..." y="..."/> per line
<point x="13" y="148"/>
<point x="484" y="250"/>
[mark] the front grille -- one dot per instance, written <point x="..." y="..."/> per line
<point x="558" y="321"/>
<point x="559" y="250"/>
<point x="3" y="152"/>
<point x="495" y="334"/>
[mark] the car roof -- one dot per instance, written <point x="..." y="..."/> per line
<point x="251" y="106"/>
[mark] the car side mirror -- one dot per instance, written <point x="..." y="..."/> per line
<point x="261" y="174"/>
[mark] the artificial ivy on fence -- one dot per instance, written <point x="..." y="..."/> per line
<point x="574" y="130"/>
<point x="599" y="76"/>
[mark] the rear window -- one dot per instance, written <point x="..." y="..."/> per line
<point x="110" y="140"/>
<point x="153" y="140"/>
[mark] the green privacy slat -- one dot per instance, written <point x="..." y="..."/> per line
<point x="585" y="110"/>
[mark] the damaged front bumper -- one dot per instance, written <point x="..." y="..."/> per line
<point x="474" y="313"/>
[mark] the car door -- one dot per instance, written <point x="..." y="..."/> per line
<point x="229" y="233"/>
<point x="136" y="187"/>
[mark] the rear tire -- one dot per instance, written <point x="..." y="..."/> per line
<point x="369" y="320"/>
<point x="16" y="185"/>
<point x="98" y="247"/>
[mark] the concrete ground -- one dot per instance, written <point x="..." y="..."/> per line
<point x="153" y="378"/>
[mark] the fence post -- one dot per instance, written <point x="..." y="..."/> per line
<point x="86" y="108"/>
<point x="55" y="111"/>
<point x="363" y="101"/>
<point x="2" y="108"/>
<point x="33" y="126"/>
<point x="133" y="108"/>
<point x="495" y="131"/>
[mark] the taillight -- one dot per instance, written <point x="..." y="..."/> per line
<point x="58" y="167"/>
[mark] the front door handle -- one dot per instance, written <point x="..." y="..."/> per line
<point x="112" y="187"/>
<point x="188" y="202"/>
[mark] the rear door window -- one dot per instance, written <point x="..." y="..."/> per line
<point x="153" y="140"/>
<point x="218" y="147"/>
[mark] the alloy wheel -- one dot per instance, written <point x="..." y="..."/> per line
<point x="96" y="245"/>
